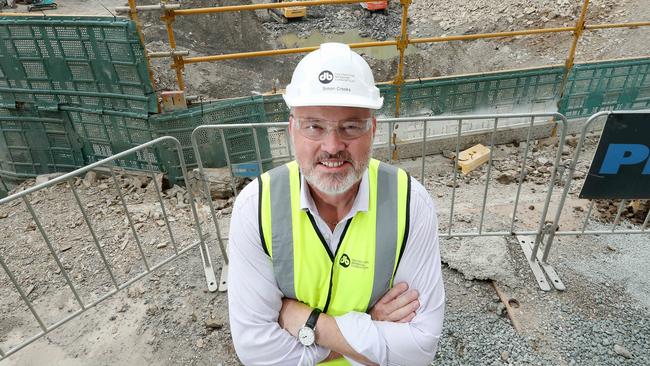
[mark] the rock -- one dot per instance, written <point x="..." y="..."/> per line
<point x="46" y="177"/>
<point x="611" y="248"/>
<point x="162" y="245"/>
<point x="90" y="178"/>
<point x="451" y="184"/>
<point x="506" y="178"/>
<point x="505" y="355"/>
<point x="481" y="258"/>
<point x="4" y="215"/>
<point x="501" y="309"/>
<point x="66" y="248"/>
<point x="571" y="141"/>
<point x="531" y="207"/>
<point x="219" y="182"/>
<point x="621" y="351"/>
<point x="213" y="323"/>
<point x="200" y="343"/>
<point x="153" y="310"/>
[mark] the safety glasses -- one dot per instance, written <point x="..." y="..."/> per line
<point x="317" y="129"/>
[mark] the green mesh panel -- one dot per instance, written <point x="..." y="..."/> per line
<point x="240" y="142"/>
<point x="92" y="62"/>
<point x="614" y="85"/>
<point x="33" y="142"/>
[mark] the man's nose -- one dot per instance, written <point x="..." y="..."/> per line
<point x="332" y="143"/>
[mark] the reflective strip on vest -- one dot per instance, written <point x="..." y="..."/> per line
<point x="362" y="269"/>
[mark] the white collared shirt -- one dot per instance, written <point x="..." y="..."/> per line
<point x="255" y="300"/>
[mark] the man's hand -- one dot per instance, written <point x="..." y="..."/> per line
<point x="397" y="305"/>
<point x="293" y="315"/>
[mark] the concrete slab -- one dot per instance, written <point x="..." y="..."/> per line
<point x="480" y="258"/>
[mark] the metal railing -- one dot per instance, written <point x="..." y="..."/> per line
<point x="536" y="242"/>
<point x="115" y="283"/>
<point x="554" y="229"/>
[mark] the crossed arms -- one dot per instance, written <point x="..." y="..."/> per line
<point x="264" y="324"/>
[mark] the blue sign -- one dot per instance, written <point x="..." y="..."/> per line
<point x="246" y="170"/>
<point x="621" y="165"/>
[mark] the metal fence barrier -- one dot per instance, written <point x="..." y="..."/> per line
<point x="553" y="229"/>
<point x="527" y="122"/>
<point x="536" y="242"/>
<point x="115" y="283"/>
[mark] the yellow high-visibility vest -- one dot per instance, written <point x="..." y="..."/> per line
<point x="361" y="270"/>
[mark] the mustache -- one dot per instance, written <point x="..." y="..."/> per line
<point x="343" y="155"/>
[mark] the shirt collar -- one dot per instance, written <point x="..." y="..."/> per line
<point x="360" y="201"/>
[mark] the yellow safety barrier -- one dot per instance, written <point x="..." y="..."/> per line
<point x="401" y="42"/>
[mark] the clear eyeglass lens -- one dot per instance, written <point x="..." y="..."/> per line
<point x="318" y="129"/>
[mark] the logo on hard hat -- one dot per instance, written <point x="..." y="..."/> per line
<point x="325" y="77"/>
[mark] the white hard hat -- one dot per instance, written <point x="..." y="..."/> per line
<point x="333" y="75"/>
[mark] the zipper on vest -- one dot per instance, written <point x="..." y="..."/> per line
<point x="329" y="291"/>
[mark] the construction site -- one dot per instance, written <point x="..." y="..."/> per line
<point x="127" y="129"/>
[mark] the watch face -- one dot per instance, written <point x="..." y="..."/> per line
<point x="306" y="336"/>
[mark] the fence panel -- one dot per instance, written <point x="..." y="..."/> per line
<point x="114" y="256"/>
<point x="96" y="63"/>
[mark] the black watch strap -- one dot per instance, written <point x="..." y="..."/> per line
<point x="313" y="318"/>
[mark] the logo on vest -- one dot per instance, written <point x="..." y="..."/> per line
<point x="346" y="262"/>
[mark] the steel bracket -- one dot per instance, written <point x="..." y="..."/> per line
<point x="538" y="266"/>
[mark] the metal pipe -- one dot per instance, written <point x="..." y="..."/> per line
<point x="455" y="168"/>
<point x="286" y="51"/>
<point x="228" y="162"/>
<point x="257" y="150"/>
<point x="402" y="44"/>
<point x="522" y="173"/>
<point x="178" y="62"/>
<point x="565" y="191"/>
<point x="424" y="141"/>
<point x="551" y="185"/>
<point x="128" y="217"/>
<point x="591" y="206"/>
<point x="206" y="189"/>
<point x="618" y="215"/>
<point x="488" y="175"/>
<point x="64" y="272"/>
<point x="164" y="212"/>
<point x="578" y="29"/>
<point x="472" y="37"/>
<point x="289" y="142"/>
<point x="68" y="176"/>
<point x="92" y="233"/>
<point x="616" y="25"/>
<point x="168" y="54"/>
<point x="161" y="6"/>
<point x="133" y="14"/>
<point x="287" y="4"/>
<point x="645" y="222"/>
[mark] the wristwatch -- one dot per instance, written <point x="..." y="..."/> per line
<point x="306" y="334"/>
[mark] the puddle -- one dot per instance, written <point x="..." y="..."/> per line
<point x="292" y="40"/>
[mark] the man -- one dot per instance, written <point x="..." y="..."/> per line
<point x="316" y="245"/>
